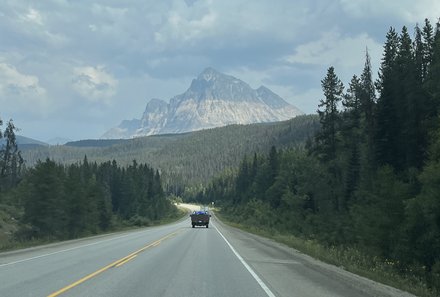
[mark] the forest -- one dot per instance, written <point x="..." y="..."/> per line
<point x="369" y="180"/>
<point x="51" y="201"/>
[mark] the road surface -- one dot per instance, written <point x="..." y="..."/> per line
<point x="177" y="260"/>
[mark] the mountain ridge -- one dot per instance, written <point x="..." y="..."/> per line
<point x="213" y="100"/>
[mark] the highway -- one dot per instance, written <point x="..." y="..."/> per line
<point x="176" y="260"/>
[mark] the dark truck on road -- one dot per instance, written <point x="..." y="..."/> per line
<point x="200" y="218"/>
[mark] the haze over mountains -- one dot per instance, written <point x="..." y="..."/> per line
<point x="213" y="100"/>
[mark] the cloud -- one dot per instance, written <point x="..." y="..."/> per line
<point x="94" y="83"/>
<point x="228" y="25"/>
<point x="406" y="10"/>
<point x="333" y="48"/>
<point x="186" y="23"/>
<point x="21" y="92"/>
<point x="29" y="27"/>
<point x="345" y="52"/>
<point x="33" y="16"/>
<point x="12" y="82"/>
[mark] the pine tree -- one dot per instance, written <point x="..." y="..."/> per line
<point x="76" y="206"/>
<point x="273" y="194"/>
<point x="387" y="127"/>
<point x="428" y="47"/>
<point x="45" y="205"/>
<point x="367" y="98"/>
<point x="420" y="55"/>
<point x="329" y="117"/>
<point x="328" y="138"/>
<point x="433" y="83"/>
<point x="11" y="161"/>
<point x="242" y="181"/>
<point x="411" y="104"/>
<point x="352" y="137"/>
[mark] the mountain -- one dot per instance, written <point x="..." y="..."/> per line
<point x="213" y="100"/>
<point x="25" y="142"/>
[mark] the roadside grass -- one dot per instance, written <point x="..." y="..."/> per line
<point x="9" y="243"/>
<point x="347" y="258"/>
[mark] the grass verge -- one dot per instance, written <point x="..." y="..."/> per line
<point x="349" y="259"/>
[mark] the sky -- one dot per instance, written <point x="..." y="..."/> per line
<point x="76" y="68"/>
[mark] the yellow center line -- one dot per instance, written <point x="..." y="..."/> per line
<point x="117" y="263"/>
<point x="125" y="261"/>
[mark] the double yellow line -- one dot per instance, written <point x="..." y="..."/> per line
<point x="117" y="263"/>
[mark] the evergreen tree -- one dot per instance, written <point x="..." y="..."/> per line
<point x="76" y="206"/>
<point x="328" y="138"/>
<point x="352" y="136"/>
<point x="45" y="205"/>
<point x="329" y="117"/>
<point x="387" y="128"/>
<point x="428" y="47"/>
<point x="104" y="205"/>
<point x="420" y="55"/>
<point x="11" y="161"/>
<point x="367" y="104"/>
<point x="274" y="191"/>
<point x="433" y="83"/>
<point x="242" y="182"/>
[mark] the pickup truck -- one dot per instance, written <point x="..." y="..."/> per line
<point x="200" y="218"/>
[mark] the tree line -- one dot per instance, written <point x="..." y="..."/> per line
<point x="58" y="201"/>
<point x="370" y="178"/>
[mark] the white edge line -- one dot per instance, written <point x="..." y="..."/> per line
<point x="63" y="251"/>
<point x="251" y="271"/>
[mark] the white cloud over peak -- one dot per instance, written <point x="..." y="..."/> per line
<point x="94" y="83"/>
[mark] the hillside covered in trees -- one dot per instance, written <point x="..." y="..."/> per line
<point x="369" y="183"/>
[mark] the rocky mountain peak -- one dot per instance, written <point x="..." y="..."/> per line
<point x="213" y="100"/>
<point x="155" y="104"/>
<point x="210" y="74"/>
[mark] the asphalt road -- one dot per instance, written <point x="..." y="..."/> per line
<point x="176" y="260"/>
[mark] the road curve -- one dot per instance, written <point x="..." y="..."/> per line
<point x="176" y="260"/>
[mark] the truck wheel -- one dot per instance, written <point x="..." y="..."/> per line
<point x="206" y="226"/>
<point x="193" y="225"/>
